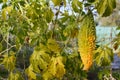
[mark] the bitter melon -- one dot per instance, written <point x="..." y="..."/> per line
<point x="86" y="40"/>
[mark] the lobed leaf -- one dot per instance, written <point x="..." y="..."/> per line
<point x="56" y="2"/>
<point x="56" y="67"/>
<point x="53" y="45"/>
<point x="103" y="56"/>
<point x="15" y="76"/>
<point x="9" y="62"/>
<point x="76" y="5"/>
<point x="48" y="15"/>
<point x="105" y="7"/>
<point x="30" y="73"/>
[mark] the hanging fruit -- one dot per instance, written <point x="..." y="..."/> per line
<point x="86" y="40"/>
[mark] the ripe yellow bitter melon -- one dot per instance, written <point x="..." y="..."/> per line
<point x="86" y="40"/>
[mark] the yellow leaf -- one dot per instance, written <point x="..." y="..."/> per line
<point x="4" y="15"/>
<point x="6" y="11"/>
<point x="60" y="68"/>
<point x="9" y="62"/>
<point x="56" y="2"/>
<point x="39" y="60"/>
<point x="15" y="76"/>
<point x="49" y="15"/>
<point x="30" y="72"/>
<point x="56" y="68"/>
<point x="47" y="76"/>
<point x="5" y="1"/>
<point x="52" y="66"/>
<point x="53" y="45"/>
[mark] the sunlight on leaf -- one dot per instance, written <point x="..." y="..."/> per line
<point x="9" y="62"/>
<point x="15" y="76"/>
<point x="39" y="60"/>
<point x="47" y="76"/>
<point x="56" y="67"/>
<point x="5" y="1"/>
<point x="76" y="5"/>
<point x="60" y="68"/>
<point x="6" y="11"/>
<point x="4" y="14"/>
<point x="30" y="73"/>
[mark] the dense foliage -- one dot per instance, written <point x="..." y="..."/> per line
<point x="39" y="39"/>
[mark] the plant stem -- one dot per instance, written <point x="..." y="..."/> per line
<point x="7" y="49"/>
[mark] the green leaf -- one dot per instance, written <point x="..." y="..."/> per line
<point x="102" y="73"/>
<point x="80" y="4"/>
<point x="1" y="47"/>
<point x="91" y="1"/>
<point x="116" y="75"/>
<point x="59" y="2"/>
<point x="105" y="7"/>
<point x="87" y="4"/>
<point x="76" y="5"/>
<point x="56" y="2"/>
<point x="65" y="18"/>
<point x="103" y="56"/>
<point x="71" y="30"/>
<point x="4" y="5"/>
<point x="5" y="1"/>
<point x="53" y="45"/>
<point x="118" y="28"/>
<point x="1" y="1"/>
<point x="48" y="15"/>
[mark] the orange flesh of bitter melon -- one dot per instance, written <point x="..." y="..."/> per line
<point x="86" y="40"/>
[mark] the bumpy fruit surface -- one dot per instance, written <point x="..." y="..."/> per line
<point x="86" y="40"/>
